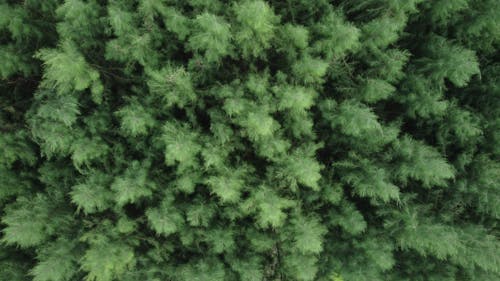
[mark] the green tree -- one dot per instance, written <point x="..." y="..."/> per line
<point x="252" y="140"/>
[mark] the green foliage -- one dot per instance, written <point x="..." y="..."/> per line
<point x="91" y="194"/>
<point x="85" y="150"/>
<point x="28" y="221"/>
<point x="135" y="119"/>
<point x="426" y="163"/>
<point x="68" y="71"/>
<point x="309" y="69"/>
<point x="133" y="184"/>
<point x="165" y="219"/>
<point x="269" y="207"/>
<point x="449" y="61"/>
<point x="181" y="145"/>
<point x="211" y="27"/>
<point x="252" y="140"/>
<point x="228" y="185"/>
<point x="107" y="261"/>
<point x="375" y="89"/>
<point x="308" y="234"/>
<point x="56" y="262"/>
<point x="255" y="27"/>
<point x="171" y="86"/>
<point x="336" y="36"/>
<point x="367" y="179"/>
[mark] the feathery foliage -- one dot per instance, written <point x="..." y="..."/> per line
<point x="252" y="140"/>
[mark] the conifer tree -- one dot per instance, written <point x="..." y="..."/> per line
<point x="252" y="140"/>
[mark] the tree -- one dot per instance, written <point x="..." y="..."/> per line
<point x="249" y="140"/>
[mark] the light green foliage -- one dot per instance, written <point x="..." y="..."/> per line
<point x="349" y="219"/>
<point x="300" y="267"/>
<point x="249" y="140"/>
<point x="133" y="184"/>
<point x="259" y="125"/>
<point x="181" y="145"/>
<point x="378" y="252"/>
<point x="79" y="21"/>
<point x="13" y="147"/>
<point x="135" y="119"/>
<point x="485" y="186"/>
<point x="374" y="90"/>
<point x="92" y="194"/>
<point x="213" y="38"/>
<point x="426" y="163"/>
<point x="162" y="222"/>
<point x="171" y="85"/>
<point x="450" y="61"/>
<point x="297" y="36"/>
<point x="301" y="168"/>
<point x="62" y="109"/>
<point x="221" y="240"/>
<point x="389" y="64"/>
<point x="248" y="269"/>
<point x="367" y="179"/>
<point x="56" y="262"/>
<point x="460" y="126"/>
<point x="356" y="119"/>
<point x="165" y="219"/>
<point x="228" y="185"/>
<point x="269" y="207"/>
<point x="440" y="241"/>
<point x="295" y="99"/>
<point x="27" y="221"/>
<point x="337" y="36"/>
<point x="67" y="70"/>
<point x="87" y="150"/>
<point x="336" y="277"/>
<point x="482" y="253"/>
<point x="200" y="215"/>
<point x="107" y="261"/>
<point x="308" y="234"/>
<point x="309" y="70"/>
<point x="211" y="269"/>
<point x="121" y="20"/>
<point x="256" y="27"/>
<point x="423" y="98"/>
<point x="381" y="32"/>
<point x="174" y="20"/>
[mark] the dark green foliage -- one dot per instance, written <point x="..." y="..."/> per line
<point x="252" y="140"/>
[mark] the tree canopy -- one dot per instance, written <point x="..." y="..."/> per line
<point x="252" y="140"/>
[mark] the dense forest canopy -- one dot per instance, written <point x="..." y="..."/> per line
<point x="290" y="140"/>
